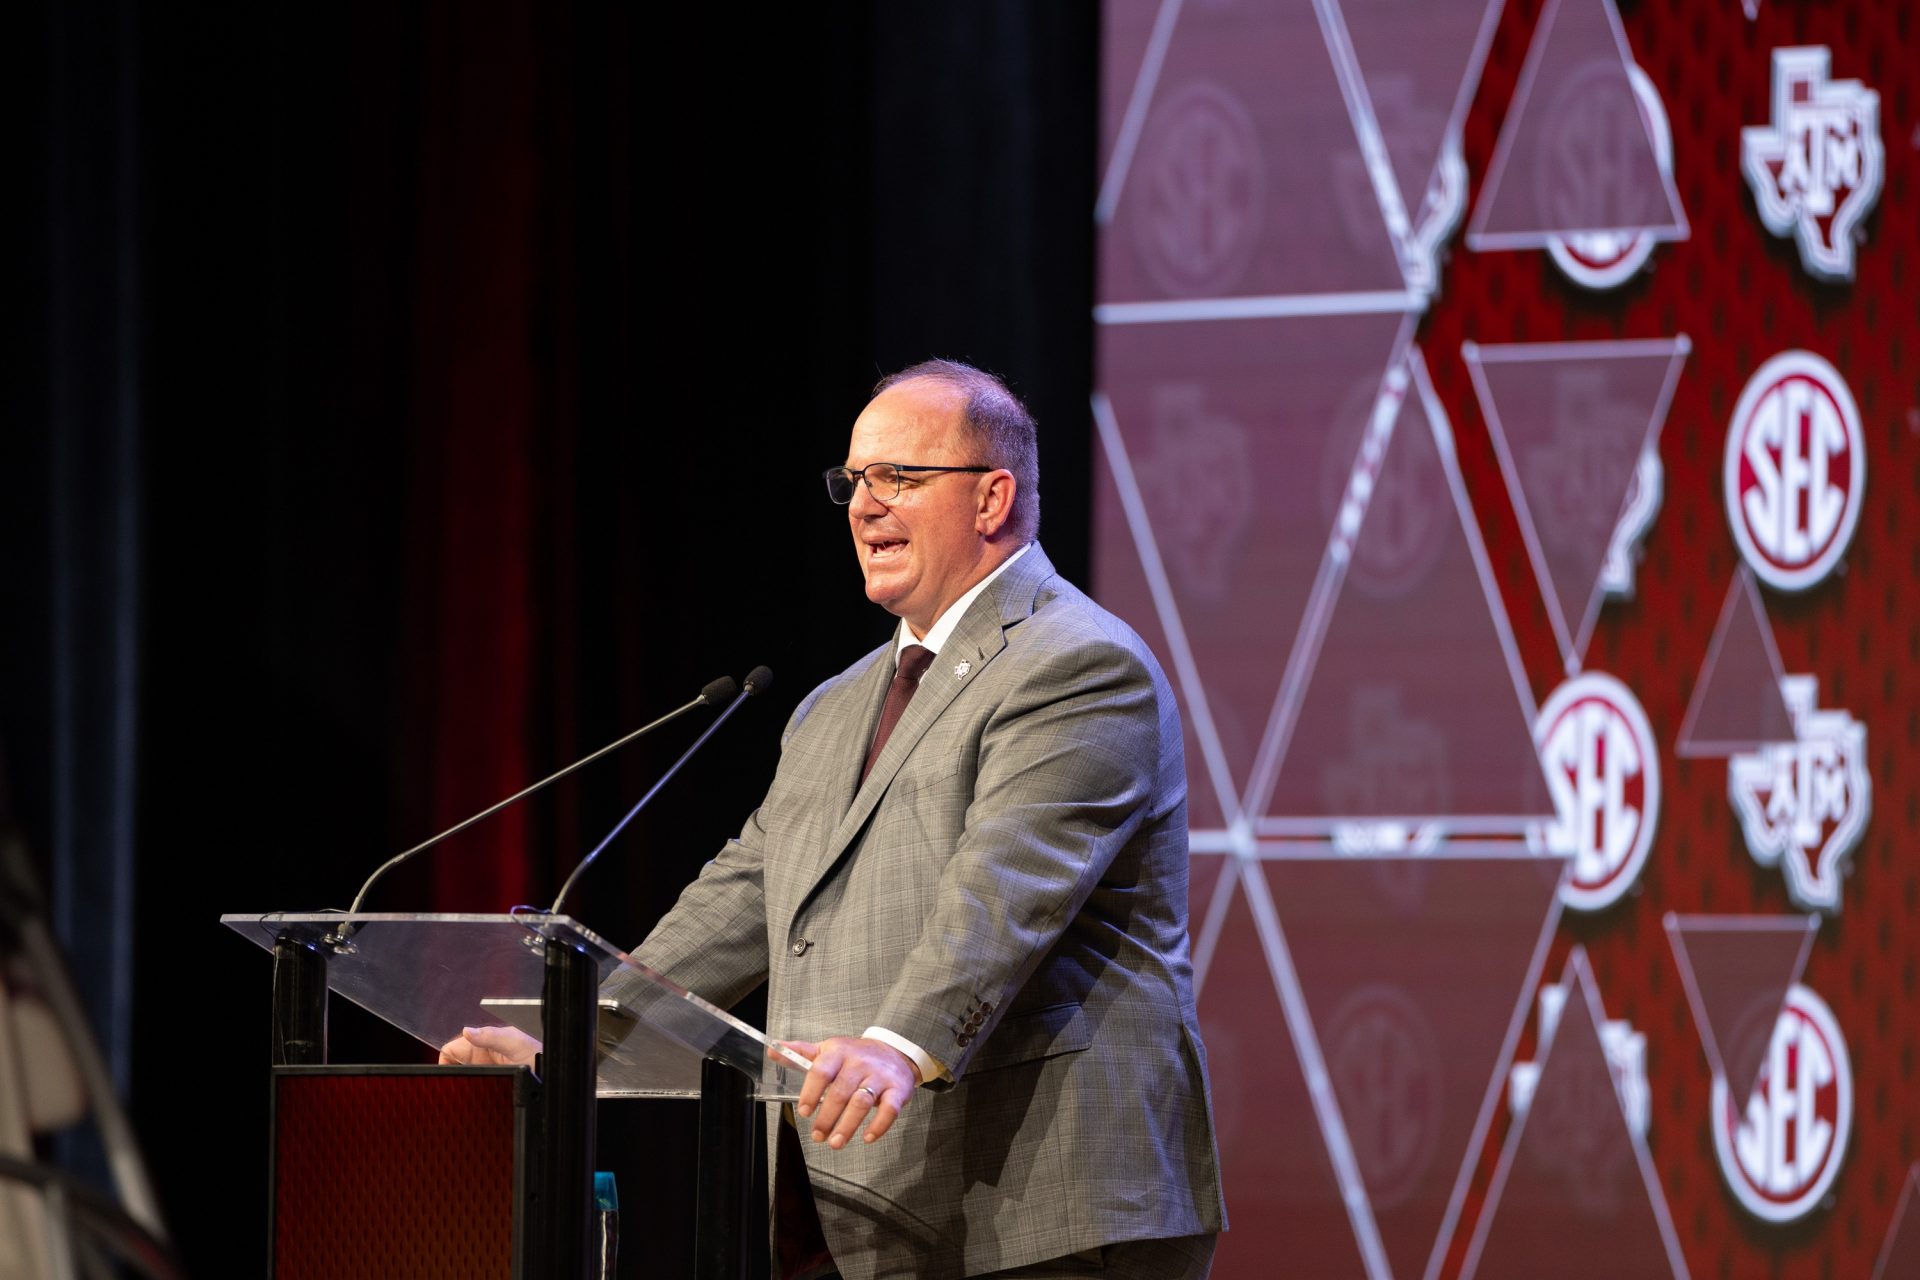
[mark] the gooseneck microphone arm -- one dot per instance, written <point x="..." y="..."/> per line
<point x="758" y="681"/>
<point x="717" y="691"/>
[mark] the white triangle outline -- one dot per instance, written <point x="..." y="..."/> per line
<point x="1186" y="670"/>
<point x="1313" y="1067"/>
<point x="1482" y="241"/>
<point x="1373" y="145"/>
<point x="1304" y="654"/>
<point x="1580" y="973"/>
<point x="1304" y="657"/>
<point x="1573" y="641"/>
<point x="1908" y="1195"/>
<point x="1206" y="940"/>
<point x="1306" y="1039"/>
<point x="1419" y="246"/>
<point x="1684" y="746"/>
<point x="1360" y="118"/>
<point x="1237" y="836"/>
<point x="1676" y="926"/>
<point x="1134" y="120"/>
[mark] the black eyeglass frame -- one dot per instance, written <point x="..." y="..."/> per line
<point x="899" y="471"/>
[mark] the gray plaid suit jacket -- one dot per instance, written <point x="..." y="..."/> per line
<point x="1008" y="890"/>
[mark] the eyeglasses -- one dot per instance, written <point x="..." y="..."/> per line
<point x="883" y="479"/>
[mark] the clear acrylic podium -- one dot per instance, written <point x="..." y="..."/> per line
<point x="609" y="1028"/>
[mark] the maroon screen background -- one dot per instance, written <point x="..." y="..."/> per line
<point x="1741" y="296"/>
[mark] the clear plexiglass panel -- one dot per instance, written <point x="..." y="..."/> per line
<point x="431" y="975"/>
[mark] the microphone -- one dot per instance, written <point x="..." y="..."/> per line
<point x="759" y="680"/>
<point x="716" y="692"/>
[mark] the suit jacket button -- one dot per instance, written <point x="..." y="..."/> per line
<point x="800" y="946"/>
<point x="964" y="1039"/>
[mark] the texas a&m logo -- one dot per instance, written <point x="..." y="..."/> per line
<point x="1795" y="470"/>
<point x="1204" y="495"/>
<point x="1816" y="170"/>
<point x="1644" y="493"/>
<point x="1603" y="772"/>
<point x="1583" y="1117"/>
<point x="1625" y="1049"/>
<point x="1803" y="804"/>
<point x="1781" y="1152"/>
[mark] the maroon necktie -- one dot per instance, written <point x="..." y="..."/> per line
<point x="914" y="660"/>
<point x="799" y="1246"/>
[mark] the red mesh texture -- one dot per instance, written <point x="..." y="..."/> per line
<point x="1741" y="294"/>
<point x="405" y="1175"/>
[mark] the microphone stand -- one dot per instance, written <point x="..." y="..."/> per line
<point x="570" y="1024"/>
<point x="713" y="693"/>
<point x="758" y="680"/>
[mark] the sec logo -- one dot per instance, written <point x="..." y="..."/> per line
<point x="1795" y="470"/>
<point x="1606" y="259"/>
<point x="1781" y="1153"/>
<point x="1603" y="772"/>
<point x="1382" y="1051"/>
<point x="1205" y="189"/>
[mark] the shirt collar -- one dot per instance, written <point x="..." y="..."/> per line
<point x="944" y="625"/>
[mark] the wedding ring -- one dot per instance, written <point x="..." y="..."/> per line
<point x="868" y="1091"/>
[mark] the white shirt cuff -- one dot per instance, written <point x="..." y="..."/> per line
<point x="929" y="1069"/>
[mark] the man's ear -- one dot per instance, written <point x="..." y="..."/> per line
<point x="995" y="502"/>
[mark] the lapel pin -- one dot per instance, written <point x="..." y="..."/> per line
<point x="960" y="671"/>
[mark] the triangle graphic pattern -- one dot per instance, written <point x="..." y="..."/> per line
<point x="1737" y="705"/>
<point x="1212" y="880"/>
<point x="1415" y="973"/>
<point x="1363" y="734"/>
<point x="1575" y="1194"/>
<point x="1283" y="1196"/>
<point x="1900" y="1253"/>
<point x="1737" y="971"/>
<point x="1221" y="188"/>
<point x="1125" y="587"/>
<point x="1570" y="422"/>
<point x="1420" y="65"/>
<point x="1225" y="449"/>
<point x="1575" y="153"/>
<point x="1132" y="43"/>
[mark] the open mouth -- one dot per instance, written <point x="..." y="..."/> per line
<point x="881" y="550"/>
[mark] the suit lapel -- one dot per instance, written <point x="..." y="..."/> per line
<point x="865" y="698"/>
<point x="976" y="642"/>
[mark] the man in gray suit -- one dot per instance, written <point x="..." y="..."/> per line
<point x="966" y="890"/>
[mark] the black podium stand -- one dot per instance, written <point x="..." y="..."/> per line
<point x="609" y="1028"/>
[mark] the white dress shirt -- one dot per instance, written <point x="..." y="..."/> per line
<point x="943" y="626"/>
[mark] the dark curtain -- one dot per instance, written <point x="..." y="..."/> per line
<point x="450" y="398"/>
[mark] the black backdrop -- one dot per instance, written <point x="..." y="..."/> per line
<point x="412" y="397"/>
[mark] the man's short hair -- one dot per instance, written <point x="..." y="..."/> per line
<point x="998" y="425"/>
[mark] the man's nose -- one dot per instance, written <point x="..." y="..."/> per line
<point x="864" y="504"/>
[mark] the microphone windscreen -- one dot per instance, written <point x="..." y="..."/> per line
<point x="717" y="690"/>
<point x="759" y="680"/>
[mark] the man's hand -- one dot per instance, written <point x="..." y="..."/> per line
<point x="489" y="1047"/>
<point x="853" y="1079"/>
